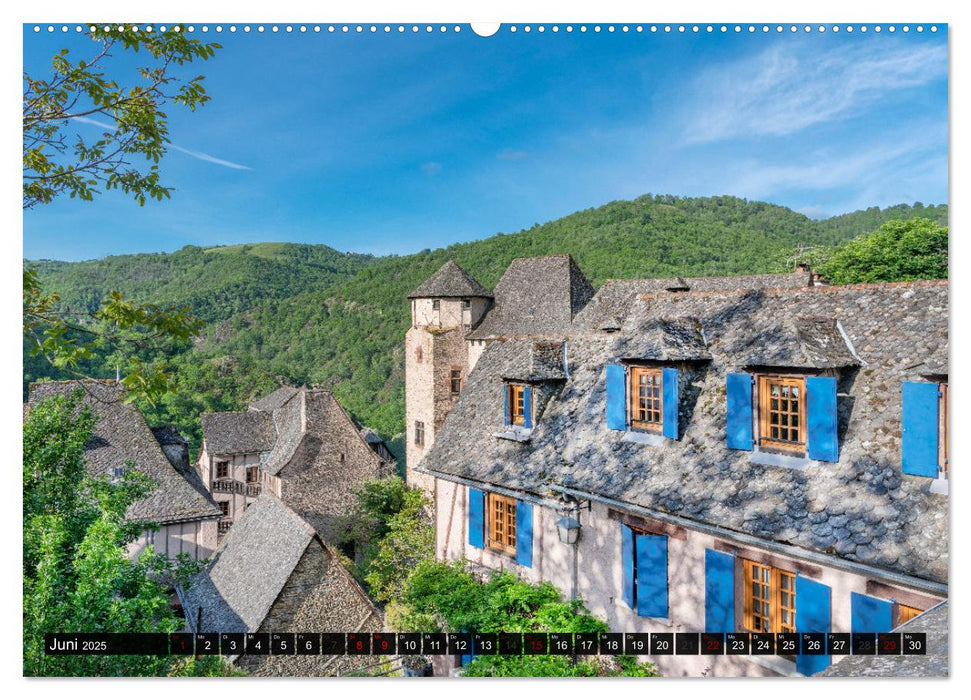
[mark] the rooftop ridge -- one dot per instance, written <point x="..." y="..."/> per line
<point x="823" y="289"/>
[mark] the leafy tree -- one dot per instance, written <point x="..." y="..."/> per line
<point x="448" y="597"/>
<point x="77" y="574"/>
<point x="409" y="540"/>
<point x="899" y="251"/>
<point x="81" y="91"/>
<point x="121" y="329"/>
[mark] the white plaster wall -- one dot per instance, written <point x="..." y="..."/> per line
<point x="599" y="580"/>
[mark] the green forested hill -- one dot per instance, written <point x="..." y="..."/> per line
<point x="214" y="282"/>
<point x="296" y="314"/>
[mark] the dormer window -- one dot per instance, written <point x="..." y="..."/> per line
<point x="518" y="400"/>
<point x="646" y="399"/>
<point x="782" y="413"/>
<point x="793" y="414"/>
<point x="643" y="398"/>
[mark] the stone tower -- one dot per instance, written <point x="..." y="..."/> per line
<point x="443" y="311"/>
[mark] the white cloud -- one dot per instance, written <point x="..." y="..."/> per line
<point x="195" y="154"/>
<point x="431" y="168"/>
<point x="790" y="87"/>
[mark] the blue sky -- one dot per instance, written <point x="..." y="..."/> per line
<point x="391" y="143"/>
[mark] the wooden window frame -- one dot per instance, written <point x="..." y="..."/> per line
<point x="220" y="466"/>
<point x="224" y="507"/>
<point x="250" y="471"/>
<point x="420" y="433"/>
<point x="654" y="408"/>
<point x="904" y="613"/>
<point x="455" y="380"/>
<point x="764" y="384"/>
<point x="501" y="536"/>
<point x="771" y="581"/>
<point x="516" y="399"/>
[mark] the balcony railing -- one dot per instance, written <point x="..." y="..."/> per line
<point x="253" y="489"/>
<point x="227" y="486"/>
<point x="223" y="526"/>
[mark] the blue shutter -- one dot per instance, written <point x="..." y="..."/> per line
<point x="476" y="521"/>
<point x="616" y="397"/>
<point x="919" y="434"/>
<point x="627" y="558"/>
<point x="869" y="614"/>
<point x="812" y="615"/>
<point x="506" y="411"/>
<point x="527" y="407"/>
<point x="739" y="420"/>
<point x="669" y="385"/>
<point x="652" y="575"/>
<point x="524" y="533"/>
<point x="821" y="418"/>
<point x="719" y="592"/>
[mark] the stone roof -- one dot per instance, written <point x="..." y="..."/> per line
<point x="664" y="339"/>
<point x="275" y="399"/>
<point x="800" y="341"/>
<point x="537" y="362"/>
<point x="238" y="432"/>
<point x="609" y="306"/>
<point x="250" y="567"/>
<point x="933" y="623"/>
<point x="862" y="508"/>
<point x="449" y="282"/>
<point x="121" y="435"/>
<point x="536" y="296"/>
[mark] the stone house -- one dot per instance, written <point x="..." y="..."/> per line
<point x="185" y="513"/>
<point x="761" y="454"/>
<point x="273" y="573"/>
<point x="297" y="443"/>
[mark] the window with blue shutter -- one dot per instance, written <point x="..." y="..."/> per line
<point x="813" y="613"/>
<point x="524" y="533"/>
<point x="920" y="429"/>
<point x="669" y="385"/>
<point x="527" y="407"/>
<point x="644" y="575"/>
<point x="476" y="518"/>
<point x="719" y="592"/>
<point x="651" y="575"/>
<point x="869" y="614"/>
<point x="821" y="418"/>
<point x="627" y="562"/>
<point x="738" y="388"/>
<point x="616" y="397"/>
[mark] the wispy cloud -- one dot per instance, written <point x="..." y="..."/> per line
<point x="511" y="154"/>
<point x="195" y="154"/>
<point x="210" y="159"/>
<point x="825" y="169"/>
<point x="790" y="87"/>
<point x="431" y="168"/>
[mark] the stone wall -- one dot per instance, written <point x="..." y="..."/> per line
<point x="331" y="462"/>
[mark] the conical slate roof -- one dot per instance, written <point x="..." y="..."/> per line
<point x="450" y="281"/>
